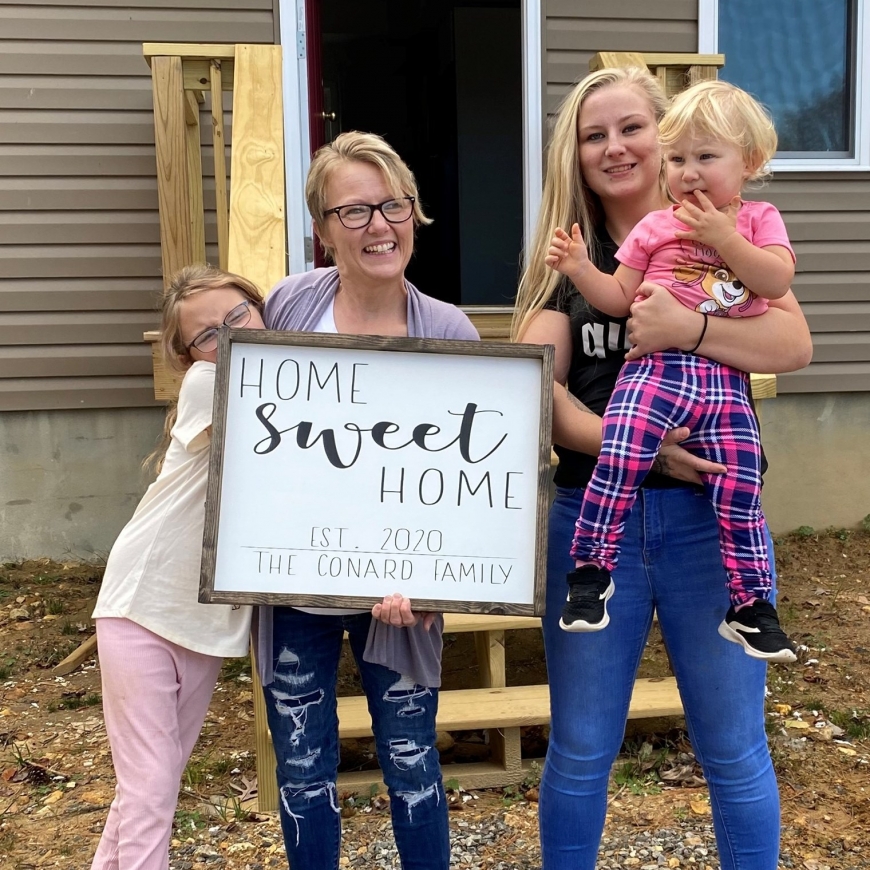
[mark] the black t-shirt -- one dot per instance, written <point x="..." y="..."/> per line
<point x="599" y="347"/>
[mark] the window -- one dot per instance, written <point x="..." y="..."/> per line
<point x="805" y="60"/>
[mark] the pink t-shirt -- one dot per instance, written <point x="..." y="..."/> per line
<point x="694" y="272"/>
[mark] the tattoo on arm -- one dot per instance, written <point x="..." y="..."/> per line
<point x="661" y="465"/>
<point x="577" y="403"/>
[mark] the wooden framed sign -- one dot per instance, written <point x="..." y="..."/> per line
<point x="345" y="468"/>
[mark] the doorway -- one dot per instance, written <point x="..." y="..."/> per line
<point x="441" y="81"/>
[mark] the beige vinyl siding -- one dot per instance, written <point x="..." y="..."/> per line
<point x="827" y="214"/>
<point x="80" y="266"/>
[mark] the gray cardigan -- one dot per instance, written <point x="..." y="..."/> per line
<point x="297" y="303"/>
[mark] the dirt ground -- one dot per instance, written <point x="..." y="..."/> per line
<point x="56" y="776"/>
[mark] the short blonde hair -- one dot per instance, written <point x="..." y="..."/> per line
<point x="356" y="147"/>
<point x="723" y="111"/>
<point x="566" y="198"/>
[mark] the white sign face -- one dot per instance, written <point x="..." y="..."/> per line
<point x="353" y="473"/>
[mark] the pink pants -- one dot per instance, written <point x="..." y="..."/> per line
<point x="155" y="697"/>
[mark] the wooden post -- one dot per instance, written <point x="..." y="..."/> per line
<point x="194" y="176"/>
<point x="220" y="163"/>
<point x="258" y="237"/>
<point x="504" y="742"/>
<point x="173" y="176"/>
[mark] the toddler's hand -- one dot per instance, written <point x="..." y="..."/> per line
<point x="707" y="224"/>
<point x="567" y="254"/>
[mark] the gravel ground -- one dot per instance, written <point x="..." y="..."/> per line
<point x="497" y="838"/>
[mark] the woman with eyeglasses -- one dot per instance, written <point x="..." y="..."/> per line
<point x="363" y="201"/>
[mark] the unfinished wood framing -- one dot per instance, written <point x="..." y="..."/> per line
<point x="675" y="72"/>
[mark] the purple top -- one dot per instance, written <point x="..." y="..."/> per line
<point x="297" y="303"/>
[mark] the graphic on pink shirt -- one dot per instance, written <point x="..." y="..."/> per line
<point x="694" y="272"/>
<point x="724" y="289"/>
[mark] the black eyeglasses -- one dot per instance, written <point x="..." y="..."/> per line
<point x="360" y="214"/>
<point x="207" y="340"/>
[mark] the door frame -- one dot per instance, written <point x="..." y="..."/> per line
<point x="297" y="142"/>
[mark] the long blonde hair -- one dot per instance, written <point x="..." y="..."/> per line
<point x="182" y="285"/>
<point x="566" y="197"/>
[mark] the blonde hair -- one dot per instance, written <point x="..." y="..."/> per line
<point x="356" y="147"/>
<point x="566" y="198"/>
<point x="722" y="111"/>
<point x="182" y="285"/>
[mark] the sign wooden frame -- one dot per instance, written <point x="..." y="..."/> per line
<point x="487" y="367"/>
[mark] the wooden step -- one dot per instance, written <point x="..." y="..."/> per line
<point x="457" y="623"/>
<point x="463" y="709"/>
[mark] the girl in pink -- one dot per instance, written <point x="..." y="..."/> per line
<point x="721" y="257"/>
<point x="160" y="649"/>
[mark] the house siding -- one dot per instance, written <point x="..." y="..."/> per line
<point x="827" y="213"/>
<point x="80" y="259"/>
<point x="80" y="266"/>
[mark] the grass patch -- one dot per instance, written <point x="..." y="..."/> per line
<point x="75" y="702"/>
<point x="234" y="668"/>
<point x="856" y="723"/>
<point x="54" y="606"/>
<point x="189" y="820"/>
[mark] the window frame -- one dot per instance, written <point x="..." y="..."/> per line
<point x="708" y="43"/>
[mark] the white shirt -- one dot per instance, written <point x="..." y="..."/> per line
<point x="327" y="324"/>
<point x="152" y="576"/>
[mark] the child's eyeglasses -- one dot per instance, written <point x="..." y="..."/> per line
<point x="207" y="340"/>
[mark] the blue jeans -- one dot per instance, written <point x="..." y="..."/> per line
<point x="670" y="562"/>
<point x="301" y="707"/>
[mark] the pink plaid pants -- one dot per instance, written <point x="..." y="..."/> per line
<point x="653" y="395"/>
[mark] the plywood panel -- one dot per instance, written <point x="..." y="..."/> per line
<point x="257" y="221"/>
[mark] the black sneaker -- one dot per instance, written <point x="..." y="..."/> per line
<point x="589" y="588"/>
<point x="758" y="631"/>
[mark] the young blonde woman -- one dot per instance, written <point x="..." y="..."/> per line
<point x="604" y="173"/>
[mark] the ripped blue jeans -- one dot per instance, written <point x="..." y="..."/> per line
<point x="301" y="707"/>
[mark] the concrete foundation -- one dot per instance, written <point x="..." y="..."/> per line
<point x="818" y="446"/>
<point x="70" y="480"/>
